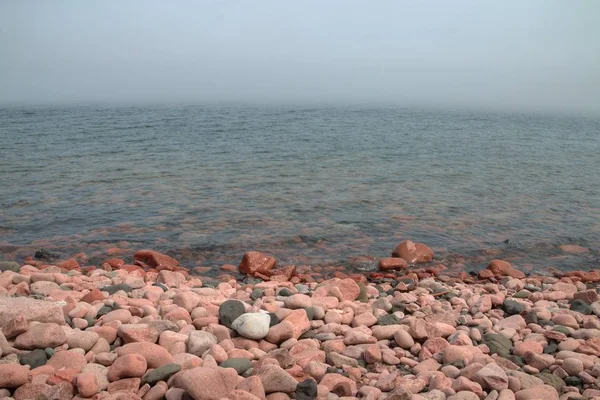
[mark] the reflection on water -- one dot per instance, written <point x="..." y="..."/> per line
<point x="310" y="186"/>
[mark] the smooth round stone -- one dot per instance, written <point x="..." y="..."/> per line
<point x="522" y="294"/>
<point x="241" y="365"/>
<point x="310" y="313"/>
<point x="257" y="294"/>
<point x="302" y="289"/>
<point x="285" y="292"/>
<point x="229" y="311"/>
<point x="115" y="288"/>
<point x="9" y="266"/>
<point x="513" y="307"/>
<point x="103" y="311"/>
<point x="306" y="390"/>
<point x="274" y="319"/>
<point x="162" y="373"/>
<point x="581" y="307"/>
<point x="562" y="329"/>
<point x="34" y="359"/>
<point x="252" y="325"/>
<point x="551" y="348"/>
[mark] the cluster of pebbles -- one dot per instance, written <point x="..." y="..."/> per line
<point x="150" y="330"/>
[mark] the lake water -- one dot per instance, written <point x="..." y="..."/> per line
<point x="311" y="186"/>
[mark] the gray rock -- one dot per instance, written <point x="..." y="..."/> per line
<point x="34" y="359"/>
<point x="9" y="266"/>
<point x="162" y="373"/>
<point x="498" y="344"/>
<point x="115" y="288"/>
<point x="241" y="365"/>
<point x="229" y="311"/>
<point x="581" y="307"/>
<point x="513" y="307"/>
<point x="306" y="390"/>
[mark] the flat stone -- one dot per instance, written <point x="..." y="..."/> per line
<point x="112" y="289"/>
<point x="162" y="373"/>
<point x="241" y="365"/>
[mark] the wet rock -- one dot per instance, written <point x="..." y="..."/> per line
<point x="229" y="311"/>
<point x="255" y="262"/>
<point x="392" y="263"/>
<point x="155" y="259"/>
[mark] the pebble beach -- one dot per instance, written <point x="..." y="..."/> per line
<point x="147" y="328"/>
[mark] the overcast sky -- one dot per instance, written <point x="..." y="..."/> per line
<point x="541" y="55"/>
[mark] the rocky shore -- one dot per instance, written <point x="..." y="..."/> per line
<point x="152" y="329"/>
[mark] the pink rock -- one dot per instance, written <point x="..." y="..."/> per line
<point x="539" y="361"/>
<point x="207" y="383"/>
<point x="87" y="384"/>
<point x="514" y="321"/>
<point x="28" y="310"/>
<point x="372" y="354"/>
<point x="67" y="359"/>
<point x="364" y="319"/>
<point x="331" y="380"/>
<point x="521" y="348"/>
<point x="131" y="333"/>
<point x="299" y="320"/>
<point x="566" y="320"/>
<point x="545" y="392"/>
<point x="253" y="385"/>
<point x="280" y="332"/>
<point x="130" y="385"/>
<point x="241" y="395"/>
<point x="463" y="384"/>
<point x="296" y="301"/>
<point x="492" y="377"/>
<point x="122" y="315"/>
<point x="61" y="391"/>
<point x="452" y="354"/>
<point x="573" y="366"/>
<point x="276" y="379"/>
<point x="13" y="375"/>
<point x="127" y="366"/>
<point x="40" y="336"/>
<point x="155" y="355"/>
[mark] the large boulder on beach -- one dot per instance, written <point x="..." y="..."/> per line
<point x="26" y="310"/>
<point x="255" y="262"/>
<point x="413" y="253"/>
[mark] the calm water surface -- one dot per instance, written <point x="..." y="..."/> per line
<point x="308" y="185"/>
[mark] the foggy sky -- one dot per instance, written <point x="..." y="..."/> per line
<point x="539" y="55"/>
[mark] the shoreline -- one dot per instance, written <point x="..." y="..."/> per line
<point x="413" y="330"/>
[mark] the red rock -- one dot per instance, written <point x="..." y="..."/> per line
<point x="485" y="274"/>
<point x="299" y="320"/>
<point x="127" y="366"/>
<point x="207" y="383"/>
<point x="65" y="375"/>
<point x="392" y="263"/>
<point x="155" y="355"/>
<point x="155" y="259"/>
<point x="69" y="264"/>
<point x="92" y="296"/>
<point x="13" y="375"/>
<point x="41" y="335"/>
<point x="499" y="267"/>
<point x="67" y="359"/>
<point x="331" y="380"/>
<point x="87" y="384"/>
<point x="255" y="262"/>
<point x="287" y="272"/>
<point x="115" y="262"/>
<point x="413" y="253"/>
